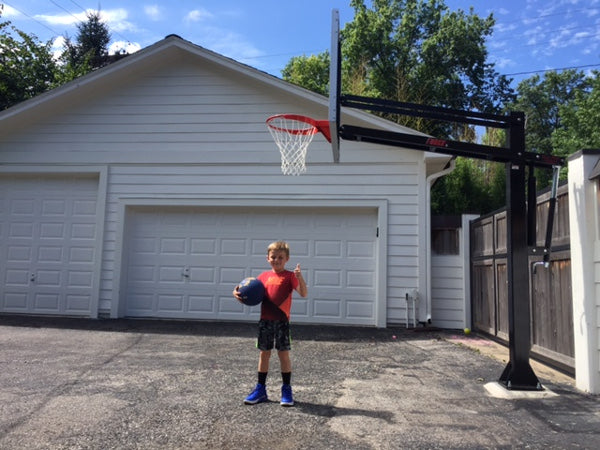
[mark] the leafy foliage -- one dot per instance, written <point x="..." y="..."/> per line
<point x="29" y="68"/>
<point x="546" y="102"/>
<point x="90" y="51"/>
<point x="419" y="51"/>
<point x="26" y="66"/>
<point x="580" y="120"/>
<point x="474" y="186"/>
<point x="311" y="72"/>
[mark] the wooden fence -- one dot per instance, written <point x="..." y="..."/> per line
<point x="551" y="303"/>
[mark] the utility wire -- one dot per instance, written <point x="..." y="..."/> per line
<point x="587" y="66"/>
<point x="32" y="18"/>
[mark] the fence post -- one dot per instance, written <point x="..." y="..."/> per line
<point x="585" y="263"/>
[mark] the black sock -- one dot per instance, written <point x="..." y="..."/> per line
<point x="262" y="377"/>
<point x="286" y="377"/>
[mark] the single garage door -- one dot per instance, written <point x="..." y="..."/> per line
<point x="184" y="262"/>
<point x="47" y="243"/>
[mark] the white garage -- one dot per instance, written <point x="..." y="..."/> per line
<point x="49" y="238"/>
<point x="183" y="262"/>
<point x="150" y="187"/>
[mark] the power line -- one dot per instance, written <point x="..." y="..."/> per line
<point x="66" y="10"/>
<point x="32" y="18"/>
<point x="587" y="66"/>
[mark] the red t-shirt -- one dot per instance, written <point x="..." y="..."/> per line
<point x="278" y="294"/>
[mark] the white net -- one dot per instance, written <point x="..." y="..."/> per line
<point x="292" y="136"/>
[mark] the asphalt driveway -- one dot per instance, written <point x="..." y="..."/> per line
<point x="133" y="384"/>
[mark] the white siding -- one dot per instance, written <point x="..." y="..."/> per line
<point x="185" y="129"/>
<point x="447" y="294"/>
<point x="450" y="284"/>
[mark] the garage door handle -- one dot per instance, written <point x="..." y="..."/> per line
<point x="186" y="272"/>
<point x="32" y="277"/>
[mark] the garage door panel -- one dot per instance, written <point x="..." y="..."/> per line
<point x="203" y="247"/>
<point x="357" y="309"/>
<point x="16" y="277"/>
<point x="14" y="301"/>
<point x="228" y="306"/>
<point x="20" y="230"/>
<point x="336" y="256"/>
<point x="324" y="308"/>
<point x="327" y="278"/>
<point x="201" y="304"/>
<point x="360" y="279"/>
<point x="360" y="249"/>
<point x="301" y="248"/>
<point x="46" y="302"/>
<point x="202" y="275"/>
<point x="169" y="303"/>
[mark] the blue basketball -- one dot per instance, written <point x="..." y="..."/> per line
<point x="252" y="291"/>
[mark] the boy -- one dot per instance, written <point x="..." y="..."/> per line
<point x="274" y="324"/>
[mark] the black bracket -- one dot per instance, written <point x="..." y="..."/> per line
<point x="518" y="373"/>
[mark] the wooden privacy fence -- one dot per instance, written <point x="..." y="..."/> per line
<point x="551" y="302"/>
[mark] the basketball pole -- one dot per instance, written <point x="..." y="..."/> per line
<point x="518" y="374"/>
<point x="521" y="215"/>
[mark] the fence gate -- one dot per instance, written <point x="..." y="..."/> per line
<point x="550" y="288"/>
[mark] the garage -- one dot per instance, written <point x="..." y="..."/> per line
<point x="183" y="262"/>
<point x="48" y="239"/>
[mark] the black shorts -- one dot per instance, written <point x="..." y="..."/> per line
<point x="273" y="332"/>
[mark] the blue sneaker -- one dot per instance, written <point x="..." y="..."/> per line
<point x="287" y="399"/>
<point x="258" y="395"/>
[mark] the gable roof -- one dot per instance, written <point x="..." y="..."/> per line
<point x="169" y="49"/>
<point x="161" y="52"/>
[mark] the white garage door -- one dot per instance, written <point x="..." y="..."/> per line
<point x="184" y="262"/>
<point x="47" y="244"/>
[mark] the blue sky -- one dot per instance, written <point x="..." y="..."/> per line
<point x="530" y="35"/>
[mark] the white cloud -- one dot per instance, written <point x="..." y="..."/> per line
<point x="230" y="44"/>
<point x="503" y="63"/>
<point x="8" y="12"/>
<point x="128" y="47"/>
<point x="153" y="12"/>
<point x="58" y="45"/>
<point x="198" y="15"/>
<point x="62" y="19"/>
<point x="116" y="19"/>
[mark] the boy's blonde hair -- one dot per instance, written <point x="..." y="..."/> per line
<point x="279" y="246"/>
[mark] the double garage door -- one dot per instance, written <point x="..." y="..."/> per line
<point x="183" y="262"/>
<point x="48" y="239"/>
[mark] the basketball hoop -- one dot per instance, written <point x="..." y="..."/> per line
<point x="293" y="133"/>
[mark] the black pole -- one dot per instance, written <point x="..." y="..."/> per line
<point x="518" y="373"/>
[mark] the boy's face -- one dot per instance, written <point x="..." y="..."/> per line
<point x="277" y="259"/>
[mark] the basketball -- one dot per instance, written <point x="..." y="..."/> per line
<point x="252" y="291"/>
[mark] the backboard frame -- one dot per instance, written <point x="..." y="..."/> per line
<point x="335" y="88"/>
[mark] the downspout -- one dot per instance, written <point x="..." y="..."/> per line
<point x="431" y="179"/>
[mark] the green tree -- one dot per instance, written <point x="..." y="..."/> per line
<point x="310" y="72"/>
<point x="90" y="50"/>
<point x="416" y="51"/>
<point x="461" y="191"/>
<point x="545" y="100"/>
<point x="580" y="121"/>
<point x="419" y="51"/>
<point x="26" y="66"/>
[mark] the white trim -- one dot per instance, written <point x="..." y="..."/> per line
<point x="381" y="205"/>
<point x="427" y="240"/>
<point x="585" y="254"/>
<point x="465" y="249"/>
